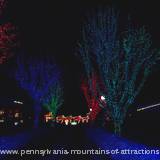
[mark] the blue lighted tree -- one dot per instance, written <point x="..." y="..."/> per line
<point x="39" y="77"/>
<point x="124" y="61"/>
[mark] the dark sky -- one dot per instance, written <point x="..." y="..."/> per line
<point x="53" y="27"/>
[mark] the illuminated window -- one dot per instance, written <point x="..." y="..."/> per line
<point x="66" y="122"/>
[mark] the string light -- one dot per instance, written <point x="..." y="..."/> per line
<point x="148" y="107"/>
<point x="18" y="102"/>
<point x="67" y="119"/>
<point x="73" y="123"/>
<point x="103" y="98"/>
<point x="15" y="123"/>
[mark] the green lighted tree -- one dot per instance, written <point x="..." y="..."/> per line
<point x="54" y="99"/>
<point x="124" y="61"/>
<point x="39" y="77"/>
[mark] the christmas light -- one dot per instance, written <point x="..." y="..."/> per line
<point x="38" y="77"/>
<point x="18" y="102"/>
<point x="15" y="123"/>
<point x="1" y="120"/>
<point x="67" y="119"/>
<point x="103" y="98"/>
<point x="66" y="122"/>
<point x="48" y="117"/>
<point x="148" y="107"/>
<point x="8" y="41"/>
<point x="16" y="115"/>
<point x="53" y="100"/>
<point x="2" y="6"/>
<point x="73" y="123"/>
<point x="123" y="62"/>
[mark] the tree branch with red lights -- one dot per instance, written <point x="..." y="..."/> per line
<point x="2" y="6"/>
<point x="8" y="37"/>
<point x="92" y="96"/>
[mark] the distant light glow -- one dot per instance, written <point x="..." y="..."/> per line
<point x="15" y="123"/>
<point x="18" y="102"/>
<point x="66" y="122"/>
<point x="103" y="98"/>
<point x="151" y="106"/>
<point x="16" y="115"/>
<point x="73" y="123"/>
<point x="72" y="119"/>
<point x="1" y="120"/>
<point x="1" y="112"/>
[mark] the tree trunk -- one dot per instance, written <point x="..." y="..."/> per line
<point x="117" y="128"/>
<point x="37" y="113"/>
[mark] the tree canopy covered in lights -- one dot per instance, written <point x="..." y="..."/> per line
<point x="53" y="100"/>
<point x="40" y="78"/>
<point x="92" y="96"/>
<point x="124" y="60"/>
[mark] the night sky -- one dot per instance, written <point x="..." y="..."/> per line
<point x="54" y="28"/>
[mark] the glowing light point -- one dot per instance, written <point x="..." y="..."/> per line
<point x="1" y="120"/>
<point x="15" y="123"/>
<point x="18" y="102"/>
<point x="103" y="98"/>
<point x="66" y="122"/>
<point x="73" y="123"/>
<point x="90" y="109"/>
<point x="148" y="107"/>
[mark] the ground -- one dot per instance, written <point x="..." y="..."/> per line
<point x="69" y="138"/>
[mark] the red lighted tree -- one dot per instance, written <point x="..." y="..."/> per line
<point x="92" y="96"/>
<point x="8" y="41"/>
<point x="8" y="37"/>
<point x="2" y="6"/>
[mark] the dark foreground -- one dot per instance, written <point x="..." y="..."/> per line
<point x="67" y="143"/>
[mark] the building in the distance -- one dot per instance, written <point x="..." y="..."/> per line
<point x="13" y="114"/>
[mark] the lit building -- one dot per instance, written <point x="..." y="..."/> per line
<point x="11" y="114"/>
